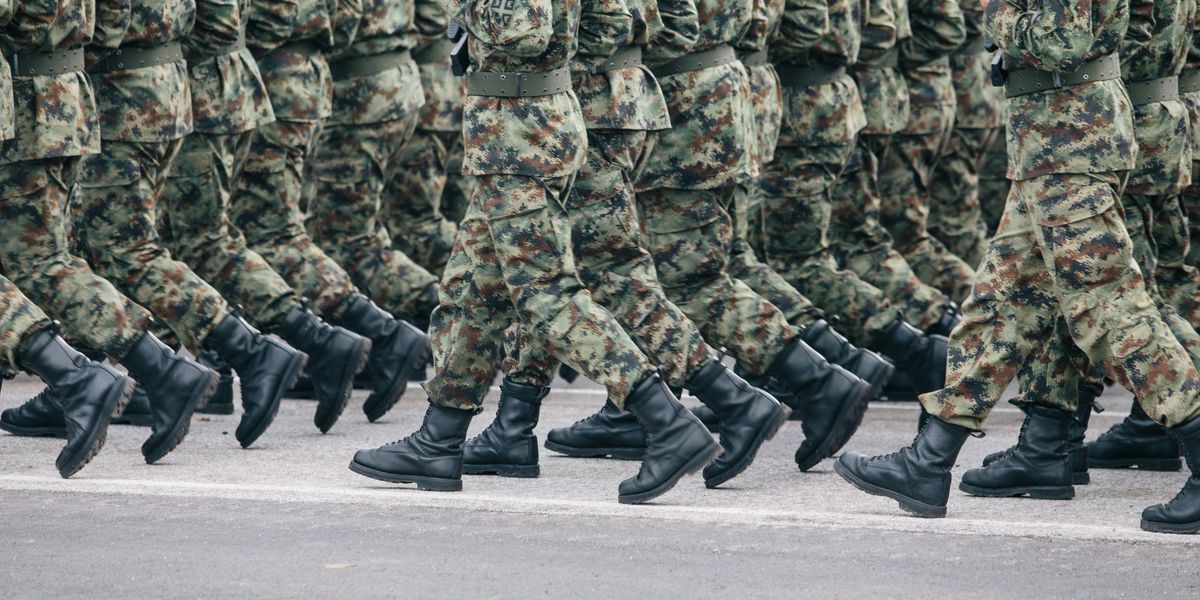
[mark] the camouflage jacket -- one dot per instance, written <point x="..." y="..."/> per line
<point x="228" y="94"/>
<point x="627" y="98"/>
<point x="712" y="129"/>
<point x="383" y="26"/>
<point x="1155" y="46"/>
<point x="540" y="136"/>
<point x="980" y="104"/>
<point x="883" y="89"/>
<point x="938" y="29"/>
<point x="809" y="33"/>
<point x="1192" y="100"/>
<point x="8" y="128"/>
<point x="1090" y="129"/>
<point x="678" y="35"/>
<point x="766" y="95"/>
<point x="65" y="125"/>
<point x="298" y="82"/>
<point x="148" y="104"/>
<point x="444" y="93"/>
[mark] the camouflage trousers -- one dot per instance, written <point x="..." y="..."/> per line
<point x="266" y="208"/>
<point x="1178" y="259"/>
<point x="512" y="262"/>
<point x="196" y="227"/>
<point x="905" y="182"/>
<point x="993" y="184"/>
<point x="35" y="255"/>
<point x="862" y="245"/>
<point x="116" y="224"/>
<point x="955" y="215"/>
<point x="427" y="197"/>
<point x="615" y="268"/>
<point x="797" y="214"/>
<point x="1062" y="250"/>
<point x="19" y="320"/>
<point x="690" y="235"/>
<point x="353" y="165"/>
<point x="746" y="259"/>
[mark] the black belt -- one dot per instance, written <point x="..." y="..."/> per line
<point x="518" y="85"/>
<point x="1189" y="82"/>
<point x="134" y="57"/>
<point x="33" y="64"/>
<point x="1031" y="81"/>
<point x="754" y="59"/>
<point x="434" y="53"/>
<point x="1151" y="91"/>
<point x="366" y="66"/>
<point x="706" y="59"/>
<point x="809" y="75"/>
<point x="629" y="56"/>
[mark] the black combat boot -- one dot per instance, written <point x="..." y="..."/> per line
<point x="1136" y="442"/>
<point x="612" y="432"/>
<point x="88" y="394"/>
<point x="432" y="457"/>
<point x="832" y="401"/>
<point x="266" y="366"/>
<point x="335" y="356"/>
<point x="175" y="386"/>
<point x="398" y="350"/>
<point x="921" y="357"/>
<point x="39" y="416"/>
<point x="748" y="417"/>
<point x="138" y="411"/>
<point x="221" y="402"/>
<point x="1182" y="514"/>
<point x="1038" y="466"/>
<point x="770" y="385"/>
<point x="677" y="444"/>
<point x="508" y="447"/>
<point x="1077" y="453"/>
<point x="946" y="323"/>
<point x="568" y="374"/>
<point x="869" y="367"/>
<point x="918" y="476"/>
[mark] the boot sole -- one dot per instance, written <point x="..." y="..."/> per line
<point x="1142" y="464"/>
<point x="428" y="484"/>
<point x="1036" y="492"/>
<point x="347" y="386"/>
<point x="613" y="453"/>
<point x="1177" y="528"/>
<point x="51" y="432"/>
<point x="524" y="471"/>
<point x="848" y="420"/>
<point x="772" y="427"/>
<point x="113" y="405"/>
<point x="289" y="379"/>
<point x="698" y="462"/>
<point x="374" y="408"/>
<point x="180" y="429"/>
<point x="1081" y="478"/>
<point x="910" y="505"/>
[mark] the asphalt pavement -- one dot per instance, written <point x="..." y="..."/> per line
<point x="287" y="519"/>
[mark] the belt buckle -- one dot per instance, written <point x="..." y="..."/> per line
<point x="520" y="83"/>
<point x="1055" y="80"/>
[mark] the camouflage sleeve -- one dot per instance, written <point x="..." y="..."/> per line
<point x="937" y="30"/>
<point x="430" y="18"/>
<point x="112" y="21"/>
<point x="30" y="24"/>
<point x="605" y="26"/>
<point x="1052" y="35"/>
<point x="972" y="11"/>
<point x="804" y="23"/>
<point x="6" y="11"/>
<point x="879" y="30"/>
<point x="347" y="14"/>
<point x="218" y="23"/>
<point x="1141" y="28"/>
<point x="519" y="28"/>
<point x="269" y="23"/>
<point x="681" y="30"/>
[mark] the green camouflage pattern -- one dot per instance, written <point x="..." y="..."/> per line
<point x="444" y="93"/>
<point x="882" y="89"/>
<point x="427" y="177"/>
<point x="116" y="224"/>
<point x="298" y="81"/>
<point x="34" y="254"/>
<point x="955" y="214"/>
<point x="228" y="93"/>
<point x="1177" y="224"/>
<point x="19" y="320"/>
<point x="993" y="182"/>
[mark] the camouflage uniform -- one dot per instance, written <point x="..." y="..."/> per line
<point x="428" y="193"/>
<point x="1062" y="248"/>
<point x="993" y="182"/>
<point x="37" y="173"/>
<point x="229" y="101"/>
<point x="144" y="114"/>
<point x="857" y="238"/>
<point x="512" y="259"/>
<point x="955" y="216"/>
<point x="906" y="172"/>
<point x="1178" y="222"/>
<point x="376" y="98"/>
<point x="285" y="38"/>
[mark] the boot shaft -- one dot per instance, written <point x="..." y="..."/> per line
<point x="1187" y="434"/>
<point x="445" y="428"/>
<point x="519" y="407"/>
<point x="902" y="343"/>
<point x="365" y="318"/>
<point x="938" y="444"/>
<point x="653" y="404"/>
<point x="52" y="360"/>
<point x="148" y="360"/>
<point x="827" y="342"/>
<point x="1045" y="433"/>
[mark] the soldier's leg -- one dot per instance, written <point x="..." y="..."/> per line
<point x="993" y="184"/>
<point x="351" y="168"/>
<point x="412" y="202"/>
<point x="460" y="188"/>
<point x="1178" y="280"/>
<point x="20" y="320"/>
<point x="955" y="216"/>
